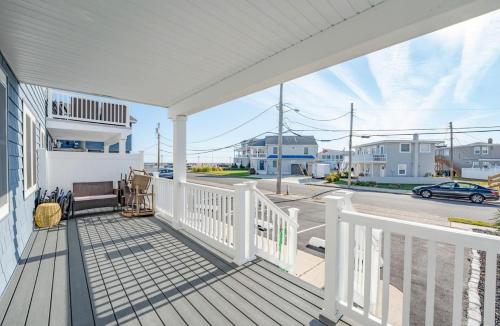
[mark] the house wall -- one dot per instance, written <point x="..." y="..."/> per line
<point x="464" y="156"/>
<point x="394" y="157"/>
<point x="16" y="227"/>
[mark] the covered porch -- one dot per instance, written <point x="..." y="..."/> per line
<point x="101" y="268"/>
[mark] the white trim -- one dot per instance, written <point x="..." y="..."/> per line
<point x="405" y="168"/>
<point x="5" y="208"/>
<point x="27" y="112"/>
<point x="409" y="144"/>
<point x="426" y="151"/>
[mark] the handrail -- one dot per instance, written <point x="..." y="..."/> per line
<point x="275" y="207"/>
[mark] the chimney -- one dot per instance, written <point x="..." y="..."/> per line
<point x="415" y="137"/>
<point x="490" y="140"/>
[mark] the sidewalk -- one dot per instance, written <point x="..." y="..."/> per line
<point x="371" y="189"/>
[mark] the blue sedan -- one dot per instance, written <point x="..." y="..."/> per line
<point x="459" y="190"/>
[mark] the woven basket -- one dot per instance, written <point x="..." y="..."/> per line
<point x="47" y="214"/>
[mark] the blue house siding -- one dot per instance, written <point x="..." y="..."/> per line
<point x="16" y="227"/>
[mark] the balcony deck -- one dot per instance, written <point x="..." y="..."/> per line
<point x="104" y="269"/>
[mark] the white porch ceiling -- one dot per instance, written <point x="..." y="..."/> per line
<point x="191" y="55"/>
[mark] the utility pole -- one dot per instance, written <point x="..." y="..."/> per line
<point x="349" y="180"/>
<point x="452" y="169"/>
<point x="280" y="141"/>
<point x="158" y="137"/>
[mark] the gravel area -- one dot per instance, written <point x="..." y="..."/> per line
<point x="482" y="280"/>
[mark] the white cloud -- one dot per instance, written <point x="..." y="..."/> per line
<point x="481" y="48"/>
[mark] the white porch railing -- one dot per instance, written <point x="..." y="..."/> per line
<point x="68" y="107"/>
<point x="209" y="213"/>
<point x="164" y="200"/>
<point x="241" y="223"/>
<point x="340" y="273"/>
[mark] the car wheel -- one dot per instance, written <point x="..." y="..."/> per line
<point x="477" y="198"/>
<point x="426" y="194"/>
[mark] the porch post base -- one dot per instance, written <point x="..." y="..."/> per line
<point x="330" y="320"/>
<point x="242" y="261"/>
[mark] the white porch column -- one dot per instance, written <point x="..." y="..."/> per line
<point x="122" y="146"/>
<point x="106" y="148"/>
<point x="179" y="157"/>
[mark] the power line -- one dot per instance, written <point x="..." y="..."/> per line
<point x="237" y="127"/>
<point x="294" y="109"/>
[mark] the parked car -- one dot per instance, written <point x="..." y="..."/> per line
<point x="460" y="190"/>
<point x="167" y="173"/>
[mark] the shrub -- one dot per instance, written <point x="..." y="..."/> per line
<point x="332" y="177"/>
<point x="252" y="171"/>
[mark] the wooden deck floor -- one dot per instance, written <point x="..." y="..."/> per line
<point x="102" y="269"/>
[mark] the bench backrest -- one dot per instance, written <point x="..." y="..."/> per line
<point x="81" y="189"/>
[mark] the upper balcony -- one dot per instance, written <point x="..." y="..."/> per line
<point x="369" y="158"/>
<point x="78" y="108"/>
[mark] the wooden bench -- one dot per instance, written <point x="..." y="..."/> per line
<point x="87" y="195"/>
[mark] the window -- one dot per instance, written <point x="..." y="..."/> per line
<point x="425" y="148"/>
<point x="401" y="169"/>
<point x="29" y="151"/>
<point x="477" y="150"/>
<point x="484" y="150"/>
<point x="404" y="148"/>
<point x="464" y="185"/>
<point x="275" y="150"/>
<point x="306" y="150"/>
<point x="4" y="190"/>
<point x="447" y="185"/>
<point x="275" y="163"/>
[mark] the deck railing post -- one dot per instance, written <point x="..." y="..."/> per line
<point x="242" y="227"/>
<point x="250" y="221"/>
<point x="292" y="238"/>
<point x="334" y="205"/>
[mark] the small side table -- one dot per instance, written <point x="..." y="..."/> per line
<point x="47" y="214"/>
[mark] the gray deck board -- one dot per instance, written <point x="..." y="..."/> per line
<point x="102" y="269"/>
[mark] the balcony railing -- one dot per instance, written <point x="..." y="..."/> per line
<point x="75" y="108"/>
<point x="367" y="158"/>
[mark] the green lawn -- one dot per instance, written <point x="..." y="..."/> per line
<point x="230" y="173"/>
<point x="379" y="185"/>
<point x="471" y="222"/>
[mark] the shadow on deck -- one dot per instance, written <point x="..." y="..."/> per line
<point x="103" y="269"/>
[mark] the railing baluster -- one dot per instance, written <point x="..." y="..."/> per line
<point x="407" y="279"/>
<point x="273" y="234"/>
<point x="431" y="283"/>
<point x="386" y="277"/>
<point x="367" y="265"/>
<point x="490" y="287"/>
<point x="268" y="212"/>
<point x="350" y="266"/>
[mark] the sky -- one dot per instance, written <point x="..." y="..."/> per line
<point x="448" y="75"/>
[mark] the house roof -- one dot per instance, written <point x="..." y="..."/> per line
<point x="426" y="141"/>
<point x="474" y="144"/>
<point x="192" y="55"/>
<point x="292" y="140"/>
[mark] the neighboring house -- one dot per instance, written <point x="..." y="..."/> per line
<point x="394" y="159"/>
<point x="262" y="154"/>
<point x="480" y="155"/>
<point x="87" y="123"/>
<point x="333" y="157"/>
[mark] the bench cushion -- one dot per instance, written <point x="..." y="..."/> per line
<point x="95" y="197"/>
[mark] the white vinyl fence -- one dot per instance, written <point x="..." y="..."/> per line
<point x="242" y="223"/>
<point x="341" y="274"/>
<point x="480" y="173"/>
